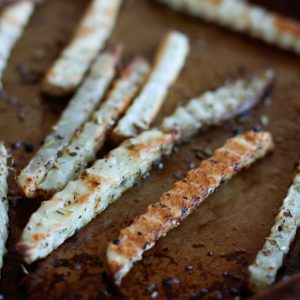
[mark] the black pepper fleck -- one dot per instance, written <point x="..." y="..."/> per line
<point x="171" y="281"/>
<point x="27" y="75"/>
<point x="151" y="288"/>
<point x="147" y="176"/>
<point x="77" y="266"/>
<point x="16" y="145"/>
<point x="158" y="165"/>
<point x="60" y="263"/>
<point x="218" y="295"/>
<point x="184" y="211"/>
<point x="257" y="128"/>
<point x="192" y="165"/>
<point x="14" y="101"/>
<point x="204" y="291"/>
<point x="104" y="293"/>
<point x="233" y="291"/>
<point x="28" y="147"/>
<point x="237" y="130"/>
<point x="179" y="175"/>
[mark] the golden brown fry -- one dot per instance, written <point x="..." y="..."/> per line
<point x="186" y="195"/>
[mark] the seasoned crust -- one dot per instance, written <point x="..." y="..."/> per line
<point x="186" y="195"/>
<point x="263" y="270"/>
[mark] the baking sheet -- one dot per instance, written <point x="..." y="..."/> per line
<point x="207" y="256"/>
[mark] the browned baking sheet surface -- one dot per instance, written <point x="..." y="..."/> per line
<point x="222" y="237"/>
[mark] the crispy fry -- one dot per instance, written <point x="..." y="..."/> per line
<point x="185" y="196"/>
<point x="222" y="104"/>
<point x="90" y="37"/>
<point x="244" y="17"/>
<point x="77" y="112"/>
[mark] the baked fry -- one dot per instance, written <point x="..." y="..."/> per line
<point x="269" y="259"/>
<point x="213" y="107"/>
<point x="90" y="37"/>
<point x="185" y="196"/>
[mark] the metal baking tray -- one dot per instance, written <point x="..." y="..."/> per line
<point x="207" y="256"/>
